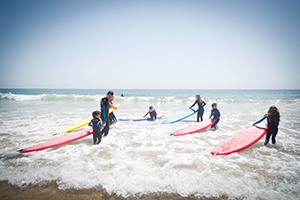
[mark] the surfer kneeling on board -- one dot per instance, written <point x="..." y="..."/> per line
<point x="273" y="118"/>
<point x="200" y="104"/>
<point x="152" y="113"/>
<point x="97" y="126"/>
<point x="216" y="114"/>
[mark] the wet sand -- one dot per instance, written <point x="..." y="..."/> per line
<point x="50" y="191"/>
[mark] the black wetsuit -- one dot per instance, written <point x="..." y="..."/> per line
<point x="200" y="110"/>
<point x="216" y="113"/>
<point x="153" y="115"/>
<point x="104" y="105"/>
<point x="272" y="130"/>
<point x="96" y="124"/>
<point x="112" y="117"/>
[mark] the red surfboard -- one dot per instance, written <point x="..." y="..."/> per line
<point x="59" y="141"/>
<point x="241" y="140"/>
<point x="194" y="128"/>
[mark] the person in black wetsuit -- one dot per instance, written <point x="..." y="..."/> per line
<point x="104" y="105"/>
<point x="273" y="119"/>
<point x="216" y="114"/>
<point x="97" y="126"/>
<point x="152" y="112"/>
<point x="201" y="105"/>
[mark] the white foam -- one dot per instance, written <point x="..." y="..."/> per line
<point x="140" y="157"/>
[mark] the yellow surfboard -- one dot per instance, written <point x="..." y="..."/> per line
<point x="84" y="122"/>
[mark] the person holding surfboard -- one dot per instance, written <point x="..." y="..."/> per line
<point x="201" y="105"/>
<point x="104" y="105"/>
<point x="152" y="113"/>
<point x="273" y="119"/>
<point x="97" y="126"/>
<point x="216" y="114"/>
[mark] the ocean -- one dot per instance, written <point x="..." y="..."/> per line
<point x="140" y="160"/>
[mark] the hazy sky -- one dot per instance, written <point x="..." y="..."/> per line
<point x="142" y="44"/>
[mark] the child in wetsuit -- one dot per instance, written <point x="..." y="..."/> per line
<point x="152" y="113"/>
<point x="273" y="118"/>
<point x="97" y="126"/>
<point x="216" y="114"/>
<point x="201" y="104"/>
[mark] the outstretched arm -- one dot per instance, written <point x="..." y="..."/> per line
<point x="260" y="120"/>
<point x="147" y="113"/>
<point x="194" y="104"/>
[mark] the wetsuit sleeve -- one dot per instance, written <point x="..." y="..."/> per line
<point x="204" y="103"/>
<point x="100" y="125"/>
<point x="90" y="124"/>
<point x="260" y="120"/>
<point x="104" y="112"/>
<point x="211" y="114"/>
<point x="147" y="113"/>
<point x="194" y="104"/>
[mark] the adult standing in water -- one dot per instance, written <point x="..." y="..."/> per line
<point x="104" y="106"/>
<point x="201" y="105"/>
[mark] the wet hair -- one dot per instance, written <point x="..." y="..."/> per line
<point x="150" y="108"/>
<point x="96" y="113"/>
<point x="273" y="114"/>
<point x="214" y="104"/>
<point x="110" y="93"/>
<point x="199" y="97"/>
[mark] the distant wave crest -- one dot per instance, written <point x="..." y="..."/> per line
<point x="177" y="99"/>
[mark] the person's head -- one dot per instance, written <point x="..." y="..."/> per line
<point x="151" y="107"/>
<point x="214" y="105"/>
<point x="199" y="97"/>
<point x="109" y="95"/>
<point x="96" y="114"/>
<point x="273" y="114"/>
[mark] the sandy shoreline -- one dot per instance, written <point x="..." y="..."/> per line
<point x="50" y="191"/>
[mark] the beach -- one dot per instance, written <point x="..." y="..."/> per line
<point x="140" y="160"/>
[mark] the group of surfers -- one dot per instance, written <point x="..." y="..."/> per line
<point x="102" y="119"/>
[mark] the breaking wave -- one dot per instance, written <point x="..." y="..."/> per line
<point x="135" y="99"/>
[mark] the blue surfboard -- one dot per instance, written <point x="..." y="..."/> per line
<point x="139" y="119"/>
<point x="180" y="116"/>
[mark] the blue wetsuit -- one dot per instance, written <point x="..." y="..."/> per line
<point x="200" y="110"/>
<point x="96" y="124"/>
<point x="216" y="113"/>
<point x="104" y="106"/>
<point x="272" y="129"/>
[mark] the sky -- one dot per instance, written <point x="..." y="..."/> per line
<point x="166" y="44"/>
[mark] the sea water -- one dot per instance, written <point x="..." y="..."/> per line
<point x="141" y="158"/>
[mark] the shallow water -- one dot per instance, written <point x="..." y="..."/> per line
<point x="141" y="159"/>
